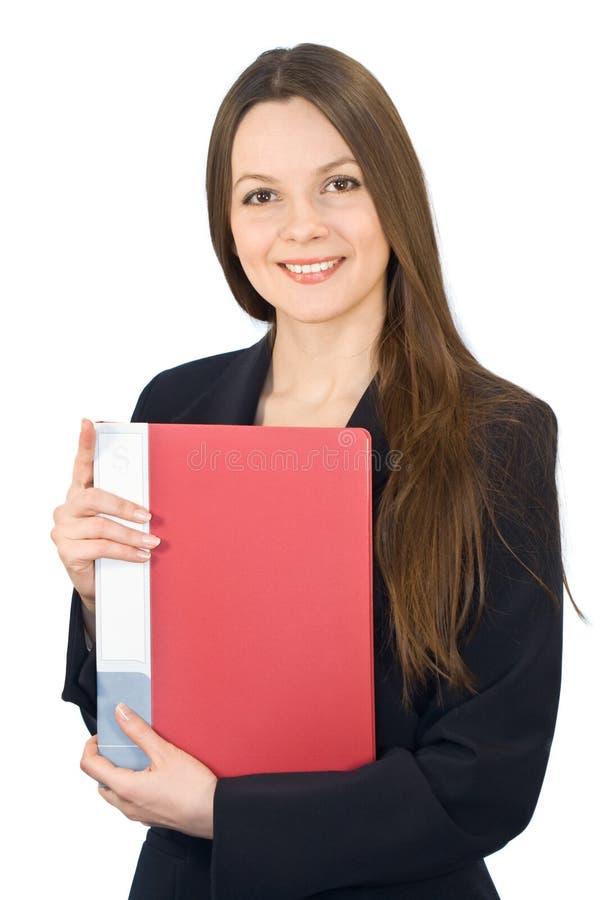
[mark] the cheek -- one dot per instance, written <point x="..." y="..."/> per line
<point x="360" y="227"/>
<point x="372" y="234"/>
<point x="368" y="238"/>
<point x="253" y="242"/>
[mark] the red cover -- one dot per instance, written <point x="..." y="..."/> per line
<point x="261" y="595"/>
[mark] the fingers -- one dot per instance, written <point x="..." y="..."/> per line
<point x="102" y="528"/>
<point x="127" y="807"/>
<point x="103" y="771"/>
<point x="77" y="554"/>
<point x="83" y="531"/>
<point x="94" y="523"/>
<point x="94" y="501"/>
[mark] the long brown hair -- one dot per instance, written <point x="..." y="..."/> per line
<point x="453" y="421"/>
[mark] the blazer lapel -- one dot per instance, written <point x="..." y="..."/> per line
<point x="233" y="397"/>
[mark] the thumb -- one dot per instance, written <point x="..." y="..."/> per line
<point x="138" y="730"/>
<point x="83" y="467"/>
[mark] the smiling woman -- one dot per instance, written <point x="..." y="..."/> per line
<point x="333" y="246"/>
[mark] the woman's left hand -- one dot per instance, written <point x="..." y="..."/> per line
<point x="175" y="791"/>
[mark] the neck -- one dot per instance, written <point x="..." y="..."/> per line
<point x="319" y="363"/>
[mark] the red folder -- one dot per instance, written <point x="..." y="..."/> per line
<point x="247" y="639"/>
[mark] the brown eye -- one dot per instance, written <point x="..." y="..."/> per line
<point x="261" y="192"/>
<point x="343" y="180"/>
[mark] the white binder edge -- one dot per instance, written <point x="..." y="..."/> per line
<point x="123" y="626"/>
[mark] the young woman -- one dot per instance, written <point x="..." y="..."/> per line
<point x="320" y="219"/>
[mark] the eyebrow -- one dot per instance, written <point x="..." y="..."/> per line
<point x="320" y="171"/>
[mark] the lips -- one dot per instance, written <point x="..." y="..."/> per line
<point x="313" y="277"/>
<point x="309" y="262"/>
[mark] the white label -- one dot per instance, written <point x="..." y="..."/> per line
<point x="123" y="587"/>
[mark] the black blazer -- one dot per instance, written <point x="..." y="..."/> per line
<point x="453" y="781"/>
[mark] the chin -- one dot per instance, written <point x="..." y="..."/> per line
<point x="314" y="314"/>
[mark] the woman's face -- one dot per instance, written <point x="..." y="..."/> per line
<point x="298" y="198"/>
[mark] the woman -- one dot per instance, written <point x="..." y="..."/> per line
<point x="319" y="217"/>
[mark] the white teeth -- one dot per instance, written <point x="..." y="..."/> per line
<point x="314" y="267"/>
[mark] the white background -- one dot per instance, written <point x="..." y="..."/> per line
<point x="108" y="276"/>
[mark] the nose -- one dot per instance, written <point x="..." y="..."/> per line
<point x="302" y="221"/>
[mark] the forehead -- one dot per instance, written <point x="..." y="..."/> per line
<point x="282" y="133"/>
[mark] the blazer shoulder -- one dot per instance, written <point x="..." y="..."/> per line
<point x="510" y="422"/>
<point x="527" y="434"/>
<point x="179" y="385"/>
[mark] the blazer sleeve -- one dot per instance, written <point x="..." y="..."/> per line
<point x="80" y="673"/>
<point x="473" y="779"/>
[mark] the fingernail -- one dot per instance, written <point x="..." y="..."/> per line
<point x="141" y="515"/>
<point x="123" y="711"/>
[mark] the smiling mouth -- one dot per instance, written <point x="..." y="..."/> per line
<point x="312" y="273"/>
<point x="312" y="266"/>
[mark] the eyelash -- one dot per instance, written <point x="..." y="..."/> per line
<point x="248" y="197"/>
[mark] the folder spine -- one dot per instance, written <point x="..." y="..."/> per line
<point x="123" y="658"/>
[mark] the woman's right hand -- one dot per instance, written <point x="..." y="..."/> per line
<point x="82" y="535"/>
